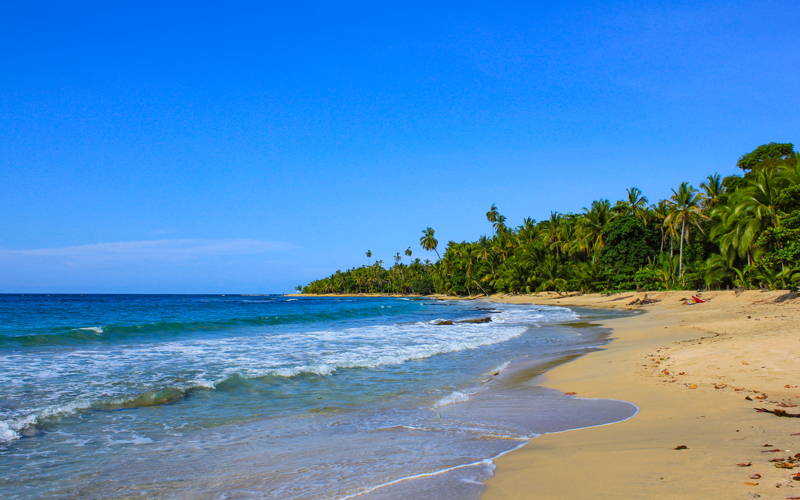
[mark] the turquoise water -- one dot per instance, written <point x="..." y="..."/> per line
<point x="141" y="396"/>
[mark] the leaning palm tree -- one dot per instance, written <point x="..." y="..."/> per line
<point x="685" y="212"/>
<point x="428" y="242"/>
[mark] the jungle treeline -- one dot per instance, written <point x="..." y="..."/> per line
<point x="741" y="231"/>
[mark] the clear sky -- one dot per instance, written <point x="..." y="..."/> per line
<point x="247" y="147"/>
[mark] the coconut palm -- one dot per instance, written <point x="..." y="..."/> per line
<point x="553" y="274"/>
<point x="712" y="191"/>
<point x="492" y="215"/>
<point x="759" y="199"/>
<point x="685" y="211"/>
<point x="408" y="253"/>
<point x="592" y="222"/>
<point x="369" y="256"/>
<point x="636" y="204"/>
<point x="428" y="242"/>
<point x="551" y="230"/>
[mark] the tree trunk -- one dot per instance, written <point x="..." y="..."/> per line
<point x="680" y="266"/>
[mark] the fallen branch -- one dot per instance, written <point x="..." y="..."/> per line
<point x="778" y="413"/>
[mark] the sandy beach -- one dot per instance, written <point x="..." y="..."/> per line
<point x="697" y="373"/>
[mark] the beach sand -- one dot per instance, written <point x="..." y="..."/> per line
<point x="691" y="370"/>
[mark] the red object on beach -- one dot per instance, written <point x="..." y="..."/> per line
<point x="697" y="300"/>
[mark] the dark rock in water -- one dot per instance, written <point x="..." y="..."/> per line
<point x="478" y="320"/>
<point x="444" y="322"/>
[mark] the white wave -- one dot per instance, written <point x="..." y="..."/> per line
<point x="120" y="373"/>
<point x="7" y="434"/>
<point x="454" y="397"/>
<point x="10" y="429"/>
<point x="497" y="370"/>
<point x="95" y="329"/>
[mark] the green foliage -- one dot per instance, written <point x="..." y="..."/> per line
<point x="736" y="231"/>
<point x="781" y="248"/>
<point x="767" y="155"/>
<point x="423" y="285"/>
<point x="629" y="245"/>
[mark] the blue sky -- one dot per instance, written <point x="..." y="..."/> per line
<point x="247" y="147"/>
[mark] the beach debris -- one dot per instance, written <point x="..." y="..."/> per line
<point x="784" y="405"/>
<point x="744" y="464"/>
<point x="720" y="386"/>
<point x="778" y="413"/>
<point x="785" y="465"/>
<point x="682" y="447"/>
<point x="787" y="386"/>
<point x="751" y="484"/>
<point x="570" y="393"/>
<point x="478" y="320"/>
<point x="768" y="446"/>
<point x="693" y="386"/>
<point x="776" y="450"/>
<point x="796" y="477"/>
<point x="755" y="476"/>
<point x="748" y="398"/>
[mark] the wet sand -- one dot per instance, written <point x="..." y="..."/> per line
<point x="696" y="372"/>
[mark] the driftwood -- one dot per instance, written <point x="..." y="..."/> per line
<point x="778" y="413"/>
<point x="643" y="301"/>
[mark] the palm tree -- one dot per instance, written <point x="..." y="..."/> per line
<point x="553" y="275"/>
<point x="712" y="191"/>
<point x="369" y="256"/>
<point x="500" y="224"/>
<point x="685" y="208"/>
<point x="592" y="222"/>
<point x="492" y="215"/>
<point x="759" y="199"/>
<point x="637" y="204"/>
<point x="659" y="212"/>
<point x="428" y="242"/>
<point x="551" y="230"/>
<point x="397" y="257"/>
<point x="408" y="253"/>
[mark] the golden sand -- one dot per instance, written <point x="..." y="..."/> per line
<point x="696" y="372"/>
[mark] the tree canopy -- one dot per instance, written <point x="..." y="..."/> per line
<point x="737" y="231"/>
<point x="767" y="155"/>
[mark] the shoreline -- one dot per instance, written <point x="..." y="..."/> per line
<point x="689" y="370"/>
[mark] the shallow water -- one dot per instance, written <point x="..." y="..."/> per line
<point x="269" y="397"/>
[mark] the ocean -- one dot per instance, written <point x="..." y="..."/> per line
<point x="243" y="397"/>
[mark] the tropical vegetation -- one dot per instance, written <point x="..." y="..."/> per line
<point x="741" y="231"/>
